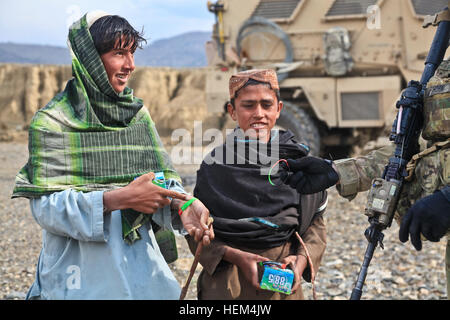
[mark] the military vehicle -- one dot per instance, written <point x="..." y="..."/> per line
<point x="342" y="64"/>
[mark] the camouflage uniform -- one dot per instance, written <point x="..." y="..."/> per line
<point x="432" y="167"/>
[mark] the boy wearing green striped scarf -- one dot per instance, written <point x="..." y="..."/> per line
<point x="93" y="152"/>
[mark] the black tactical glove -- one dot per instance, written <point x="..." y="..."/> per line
<point x="310" y="175"/>
<point x="429" y="216"/>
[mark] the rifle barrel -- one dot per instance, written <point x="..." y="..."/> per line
<point x="357" y="290"/>
<point x="437" y="51"/>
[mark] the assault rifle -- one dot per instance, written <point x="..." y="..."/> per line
<point x="384" y="193"/>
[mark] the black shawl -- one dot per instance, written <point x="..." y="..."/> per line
<point x="233" y="184"/>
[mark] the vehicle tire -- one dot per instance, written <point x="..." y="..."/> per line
<point x="302" y="125"/>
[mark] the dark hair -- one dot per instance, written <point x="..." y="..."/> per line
<point x="252" y="82"/>
<point x="107" y="30"/>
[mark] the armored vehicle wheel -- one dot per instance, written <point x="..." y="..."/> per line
<point x="302" y="125"/>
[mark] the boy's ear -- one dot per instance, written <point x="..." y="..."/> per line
<point x="280" y="107"/>
<point x="231" y="111"/>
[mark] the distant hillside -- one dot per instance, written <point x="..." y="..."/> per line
<point x="185" y="50"/>
<point x="31" y="53"/>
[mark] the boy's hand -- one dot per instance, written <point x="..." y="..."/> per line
<point x="298" y="265"/>
<point x="196" y="221"/>
<point x="247" y="262"/>
<point x="140" y="195"/>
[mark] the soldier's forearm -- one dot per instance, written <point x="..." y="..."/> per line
<point x="356" y="174"/>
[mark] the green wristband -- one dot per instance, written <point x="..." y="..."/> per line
<point x="186" y="205"/>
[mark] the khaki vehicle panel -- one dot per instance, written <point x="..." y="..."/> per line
<point x="323" y="93"/>
<point x="400" y="41"/>
<point x="384" y="59"/>
<point x="320" y="93"/>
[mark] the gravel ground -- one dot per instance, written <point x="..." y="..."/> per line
<point x="398" y="272"/>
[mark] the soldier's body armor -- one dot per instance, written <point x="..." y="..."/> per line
<point x="432" y="170"/>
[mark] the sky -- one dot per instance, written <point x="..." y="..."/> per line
<point x="46" y="22"/>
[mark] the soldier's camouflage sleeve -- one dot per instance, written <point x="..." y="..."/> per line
<point x="356" y="174"/>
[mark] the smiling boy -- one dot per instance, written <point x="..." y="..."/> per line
<point x="239" y="198"/>
<point x="257" y="106"/>
<point x="117" y="52"/>
<point x="94" y="150"/>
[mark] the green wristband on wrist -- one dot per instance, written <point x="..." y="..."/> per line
<point x="186" y="205"/>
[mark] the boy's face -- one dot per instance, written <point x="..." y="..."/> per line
<point x="119" y="64"/>
<point x="256" y="111"/>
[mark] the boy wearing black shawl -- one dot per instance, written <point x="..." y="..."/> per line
<point x="233" y="184"/>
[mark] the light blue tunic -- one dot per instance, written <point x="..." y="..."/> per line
<point x="83" y="254"/>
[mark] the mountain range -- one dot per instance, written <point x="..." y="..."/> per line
<point x="184" y="50"/>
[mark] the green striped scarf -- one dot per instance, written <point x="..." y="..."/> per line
<point x="89" y="138"/>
